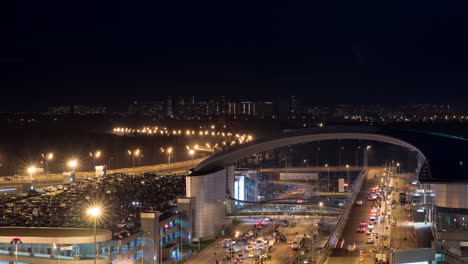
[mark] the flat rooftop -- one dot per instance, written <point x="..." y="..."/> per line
<point x="53" y="234"/>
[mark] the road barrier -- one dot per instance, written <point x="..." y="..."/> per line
<point x="343" y="219"/>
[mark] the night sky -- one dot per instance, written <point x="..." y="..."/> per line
<point x="330" y="51"/>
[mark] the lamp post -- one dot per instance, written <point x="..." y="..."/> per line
<point x="95" y="212"/>
<point x="317" y="157"/>
<point x="398" y="167"/>
<point x="191" y="153"/>
<point x="328" y="177"/>
<point x="169" y="154"/>
<point x="95" y="156"/>
<point x="31" y="170"/>
<point x="16" y="241"/>
<point x="46" y="158"/>
<point x="72" y="164"/>
<point x="347" y="176"/>
<point x="137" y="153"/>
<point x="133" y="158"/>
<point x="340" y="155"/>
<point x="366" y="156"/>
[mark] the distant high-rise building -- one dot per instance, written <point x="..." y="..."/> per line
<point x="59" y="110"/>
<point x="89" y="110"/>
<point x="169" y="107"/>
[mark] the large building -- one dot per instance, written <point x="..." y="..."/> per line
<point x="159" y="241"/>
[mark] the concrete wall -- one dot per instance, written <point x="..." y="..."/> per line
<point x="208" y="194"/>
<point x="150" y="225"/>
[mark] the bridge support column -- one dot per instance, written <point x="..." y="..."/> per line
<point x="208" y="194"/>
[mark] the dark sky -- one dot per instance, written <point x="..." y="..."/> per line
<point x="334" y="51"/>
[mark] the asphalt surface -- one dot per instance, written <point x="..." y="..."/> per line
<point x="400" y="237"/>
<point x="282" y="254"/>
<point x="57" y="179"/>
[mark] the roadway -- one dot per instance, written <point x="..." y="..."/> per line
<point x="56" y="179"/>
<point x="316" y="169"/>
<point x="282" y="254"/>
<point x="388" y="236"/>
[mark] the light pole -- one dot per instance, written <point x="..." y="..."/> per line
<point x="340" y="155"/>
<point x="169" y="154"/>
<point x="317" y="157"/>
<point x="46" y="158"/>
<point x="328" y="177"/>
<point x="95" y="156"/>
<point x="95" y="212"/>
<point x="191" y="153"/>
<point x="357" y="150"/>
<point x="16" y="241"/>
<point x="347" y="176"/>
<point x="133" y="158"/>
<point x="31" y="171"/>
<point x="72" y="164"/>
<point x="398" y="167"/>
<point x="366" y="156"/>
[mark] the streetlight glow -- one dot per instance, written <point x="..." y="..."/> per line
<point x="94" y="211"/>
<point x="50" y="156"/>
<point x="31" y="170"/>
<point x="72" y="164"/>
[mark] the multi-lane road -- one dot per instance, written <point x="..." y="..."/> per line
<point x="282" y="252"/>
<point x="399" y="237"/>
<point x="56" y="179"/>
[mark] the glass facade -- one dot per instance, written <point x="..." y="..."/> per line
<point x="451" y="219"/>
<point x="84" y="251"/>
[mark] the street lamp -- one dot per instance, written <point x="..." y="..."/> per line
<point x="398" y="166"/>
<point x="328" y="177"/>
<point x="191" y="153"/>
<point x="169" y="154"/>
<point x="94" y="212"/>
<point x="95" y="156"/>
<point x="47" y="157"/>
<point x="72" y="164"/>
<point x="340" y="155"/>
<point x="16" y="241"/>
<point x="31" y="171"/>
<point x="347" y="175"/>
<point x="137" y="153"/>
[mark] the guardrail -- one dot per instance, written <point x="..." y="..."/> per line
<point x="343" y="219"/>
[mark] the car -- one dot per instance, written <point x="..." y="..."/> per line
<point x="251" y="254"/>
<point x="227" y="243"/>
<point x="359" y="202"/>
<point x="372" y="220"/>
<point x="363" y="223"/>
<point x="361" y="229"/>
<point x="295" y="244"/>
<point x="249" y="248"/>
<point x="370" y="240"/>
<point x="230" y="250"/>
<point x="370" y="226"/>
